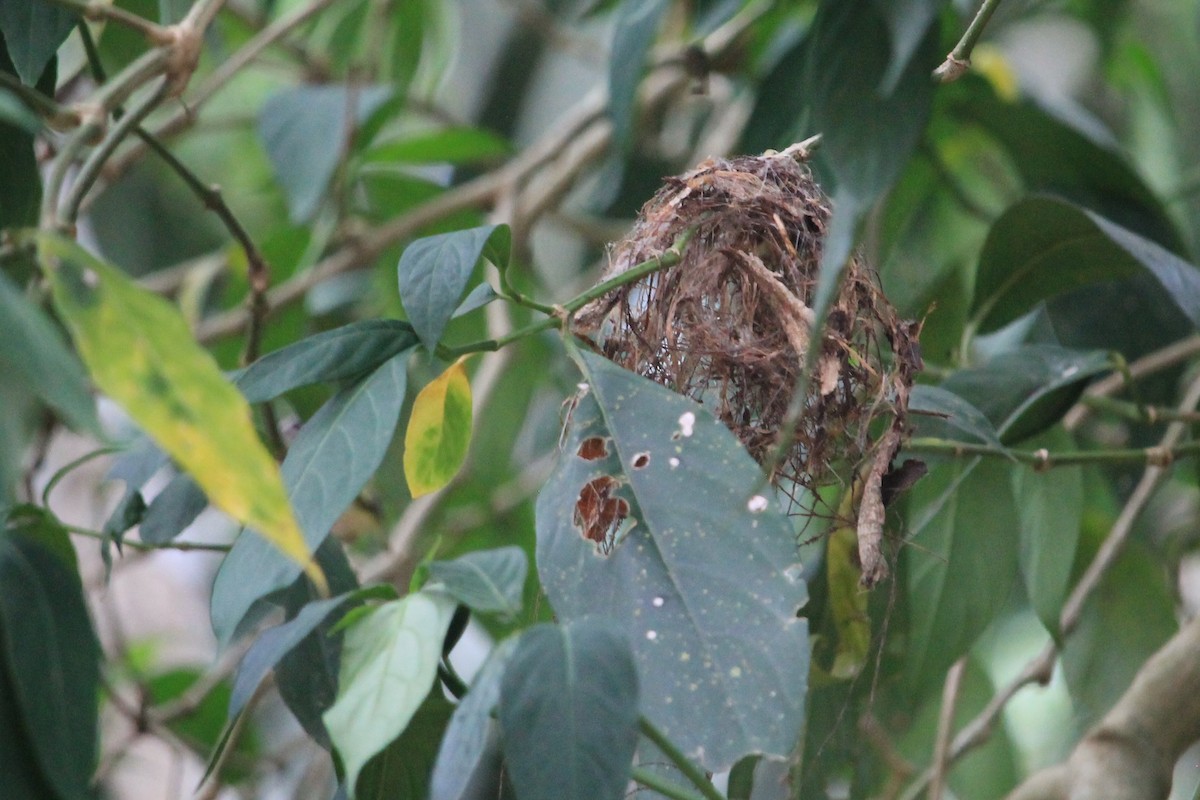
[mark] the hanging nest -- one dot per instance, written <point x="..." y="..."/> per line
<point x="731" y="326"/>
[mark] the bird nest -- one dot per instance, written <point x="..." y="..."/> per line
<point x="732" y="326"/>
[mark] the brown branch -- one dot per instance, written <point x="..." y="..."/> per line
<point x="941" y="746"/>
<point x="1169" y="356"/>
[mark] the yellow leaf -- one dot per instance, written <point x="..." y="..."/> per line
<point x="847" y="597"/>
<point x="140" y="352"/>
<point x="439" y="431"/>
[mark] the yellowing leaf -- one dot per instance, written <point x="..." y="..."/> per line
<point x="140" y="352"/>
<point x="438" y="431"/>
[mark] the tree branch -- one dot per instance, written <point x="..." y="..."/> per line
<point x="958" y="61"/>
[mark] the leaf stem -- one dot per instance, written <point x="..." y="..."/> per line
<point x="685" y="765"/>
<point x="958" y="60"/>
<point x="57" y="116"/>
<point x="146" y="547"/>
<point x="672" y="256"/>
<point x="1043" y="459"/>
<point x="658" y="783"/>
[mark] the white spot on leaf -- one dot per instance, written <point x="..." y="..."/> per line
<point x="756" y="504"/>
<point x="674" y="462"/>
<point x="657" y="602"/>
<point x="652" y="635"/>
<point x="687" y="423"/>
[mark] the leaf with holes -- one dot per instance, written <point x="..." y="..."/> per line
<point x="139" y="351"/>
<point x="433" y="274"/>
<point x="650" y="518"/>
<point x="568" y="712"/>
<point x="389" y="662"/>
<point x="439" y="431"/>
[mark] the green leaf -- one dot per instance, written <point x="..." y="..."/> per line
<point x="434" y="271"/>
<point x="343" y="353"/>
<point x="868" y="134"/>
<point x="471" y="729"/>
<point x="1054" y="157"/>
<point x="1043" y="246"/>
<point x="476" y="299"/>
<point x="568" y="712"/>
<point x="401" y="770"/>
<point x="389" y="662"/>
<point x="172" y="510"/>
<point x="1050" y="508"/>
<point x="634" y="28"/>
<point x="439" y="431"/>
<point x="305" y="130"/>
<point x="936" y="409"/>
<point x="446" y="146"/>
<point x="15" y="114"/>
<point x="141" y="353"/>
<point x="335" y="454"/>
<point x="23" y="780"/>
<point x="274" y="643"/>
<point x="1028" y="389"/>
<point x="202" y="728"/>
<point x="961" y="565"/>
<point x="907" y="21"/>
<point x="650" y="519"/>
<point x="35" y="355"/>
<point x="487" y="581"/>
<point x="51" y="653"/>
<point x="33" y="31"/>
<point x="1129" y="617"/>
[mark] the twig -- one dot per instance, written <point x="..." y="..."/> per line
<point x="145" y="547"/>
<point x="90" y="170"/>
<point x="1040" y="667"/>
<point x="941" y="746"/>
<point x="657" y="783"/>
<point x="958" y="61"/>
<point x="1169" y="356"/>
<point x="684" y="764"/>
<point x="1138" y="412"/>
<point x="1042" y="459"/>
<point x="99" y="11"/>
<point x="212" y="786"/>
<point x="57" y="116"/>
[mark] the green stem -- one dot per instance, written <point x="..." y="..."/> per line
<point x="959" y="59"/>
<point x="57" y="116"/>
<point x="658" y="783"/>
<point x="1044" y="459"/>
<point x="144" y="546"/>
<point x="685" y="765"/>
<point x="668" y="259"/>
<point x="1138" y="412"/>
<point x="64" y="470"/>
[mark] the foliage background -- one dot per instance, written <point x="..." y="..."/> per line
<point x="371" y="123"/>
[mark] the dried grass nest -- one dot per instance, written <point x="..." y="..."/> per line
<point x="731" y="325"/>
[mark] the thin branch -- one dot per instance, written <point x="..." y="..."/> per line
<point x="1138" y="412"/>
<point x="941" y="747"/>
<point x="1169" y="356"/>
<point x="1042" y="459"/>
<point x="147" y="547"/>
<point x="99" y="11"/>
<point x="56" y="116"/>
<point x="958" y="61"/>
<point x="684" y="764"/>
<point x="657" y="783"/>
<point x="1041" y="666"/>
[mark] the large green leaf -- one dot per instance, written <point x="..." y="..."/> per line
<point x="389" y="662"/>
<point x="634" y="29"/>
<point x="1050" y="508"/>
<point x="937" y="411"/>
<point x="487" y="581"/>
<point x="334" y="455"/>
<point x="140" y="352"/>
<point x="433" y="274"/>
<point x="650" y="519"/>
<point x="961" y="565"/>
<point x="340" y="354"/>
<point x="1043" y="246"/>
<point x="471" y="729"/>
<point x="1028" y="389"/>
<point x="51" y="653"/>
<point x="33" y="31"/>
<point x="35" y="355"/>
<point x="568" y="712"/>
<point x="305" y="130"/>
<point x="1051" y="155"/>
<point x="23" y="778"/>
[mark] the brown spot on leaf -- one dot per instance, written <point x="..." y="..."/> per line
<point x="599" y="513"/>
<point x="641" y="460"/>
<point x="593" y="449"/>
